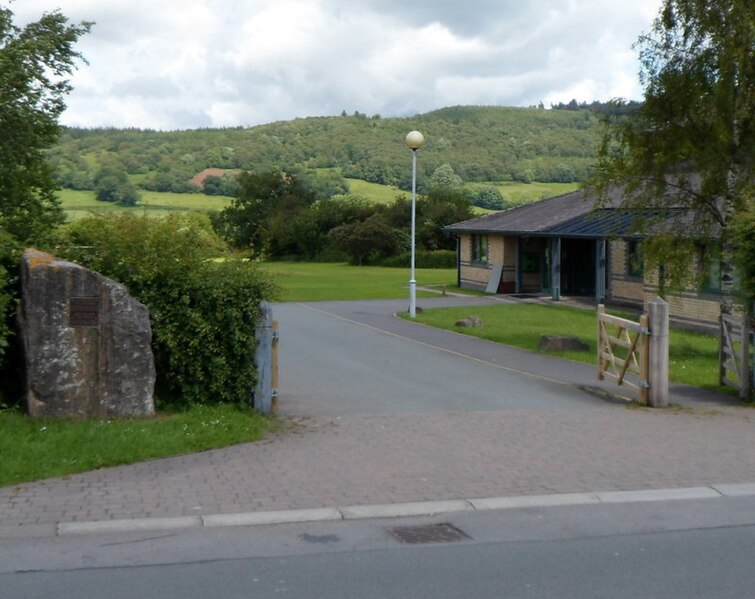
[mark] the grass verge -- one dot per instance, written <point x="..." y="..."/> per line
<point x="693" y="357"/>
<point x="308" y="281"/>
<point x="33" y="449"/>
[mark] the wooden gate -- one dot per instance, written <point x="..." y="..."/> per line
<point x="623" y="348"/>
<point x="734" y="353"/>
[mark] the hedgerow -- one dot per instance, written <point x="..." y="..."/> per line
<point x="203" y="303"/>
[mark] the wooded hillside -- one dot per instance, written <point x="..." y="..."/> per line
<point x="480" y="143"/>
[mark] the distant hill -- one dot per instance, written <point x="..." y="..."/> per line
<point x="480" y="143"/>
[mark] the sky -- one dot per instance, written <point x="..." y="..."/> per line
<point x="185" y="64"/>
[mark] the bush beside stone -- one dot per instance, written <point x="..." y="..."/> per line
<point x="203" y="303"/>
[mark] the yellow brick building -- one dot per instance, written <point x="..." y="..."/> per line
<point x="565" y="247"/>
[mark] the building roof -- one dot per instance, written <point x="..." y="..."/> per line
<point x="570" y="215"/>
<point x="537" y="217"/>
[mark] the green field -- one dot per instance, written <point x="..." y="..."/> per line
<point x="523" y="193"/>
<point x="374" y="192"/>
<point x="513" y="192"/>
<point x="78" y="204"/>
<point x="693" y="357"/>
<point x="301" y="282"/>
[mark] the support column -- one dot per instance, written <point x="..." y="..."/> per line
<point x="518" y="266"/>
<point x="556" y="268"/>
<point x="600" y="271"/>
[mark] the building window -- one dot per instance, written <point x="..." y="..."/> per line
<point x="710" y="269"/>
<point x="480" y="248"/>
<point x="634" y="259"/>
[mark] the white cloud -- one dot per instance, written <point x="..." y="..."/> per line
<point x="189" y="63"/>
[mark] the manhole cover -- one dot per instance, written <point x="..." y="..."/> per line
<point x="428" y="533"/>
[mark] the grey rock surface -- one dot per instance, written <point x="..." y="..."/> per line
<point x="87" y="342"/>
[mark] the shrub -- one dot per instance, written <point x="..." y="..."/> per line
<point x="10" y="354"/>
<point x="487" y="197"/>
<point x="5" y="300"/>
<point x="423" y="259"/>
<point x="203" y="304"/>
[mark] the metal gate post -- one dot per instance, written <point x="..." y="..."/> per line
<point x="262" y="396"/>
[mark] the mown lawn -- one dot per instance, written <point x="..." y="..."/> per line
<point x="306" y="281"/>
<point x="693" y="357"/>
<point x="33" y="449"/>
<point x="374" y="192"/>
<point x="523" y="193"/>
<point x="78" y="204"/>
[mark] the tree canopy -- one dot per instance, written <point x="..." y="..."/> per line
<point x="35" y="62"/>
<point x="690" y="143"/>
<point x="247" y="222"/>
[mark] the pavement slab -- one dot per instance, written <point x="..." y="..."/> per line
<point x="438" y="442"/>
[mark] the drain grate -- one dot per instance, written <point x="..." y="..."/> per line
<point x="428" y="533"/>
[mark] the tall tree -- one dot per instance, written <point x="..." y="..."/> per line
<point x="35" y="62"/>
<point x="691" y="142"/>
<point x="247" y="222"/>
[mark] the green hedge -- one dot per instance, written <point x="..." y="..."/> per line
<point x="7" y="302"/>
<point x="423" y="259"/>
<point x="203" y="303"/>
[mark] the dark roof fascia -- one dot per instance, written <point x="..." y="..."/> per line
<point x="546" y="234"/>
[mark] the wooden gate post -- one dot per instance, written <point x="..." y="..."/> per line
<point x="601" y="341"/>
<point x="658" y="353"/>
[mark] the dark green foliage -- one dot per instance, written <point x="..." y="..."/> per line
<point x="34" y="63"/>
<point x="480" y="143"/>
<point x="11" y="358"/>
<point x="305" y="234"/>
<point x="423" y="259"/>
<point x="433" y="212"/>
<point x="326" y="183"/>
<point x="486" y="197"/>
<point x="692" y="142"/>
<point x="170" y="182"/>
<point x="599" y="107"/>
<point x="744" y="237"/>
<point x="246" y="223"/>
<point x="203" y="311"/>
<point x="438" y="209"/>
<point x="445" y="179"/>
<point x="6" y="298"/>
<point x="220" y="186"/>
<point x="110" y="189"/>
<point x="112" y="185"/>
<point x="365" y="241"/>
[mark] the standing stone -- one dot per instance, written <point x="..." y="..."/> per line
<point x="87" y="342"/>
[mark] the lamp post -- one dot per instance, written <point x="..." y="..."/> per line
<point x="414" y="140"/>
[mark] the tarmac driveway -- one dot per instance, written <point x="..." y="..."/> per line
<point x="332" y="364"/>
<point x="383" y="411"/>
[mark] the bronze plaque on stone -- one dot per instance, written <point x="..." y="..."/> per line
<point x="84" y="312"/>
